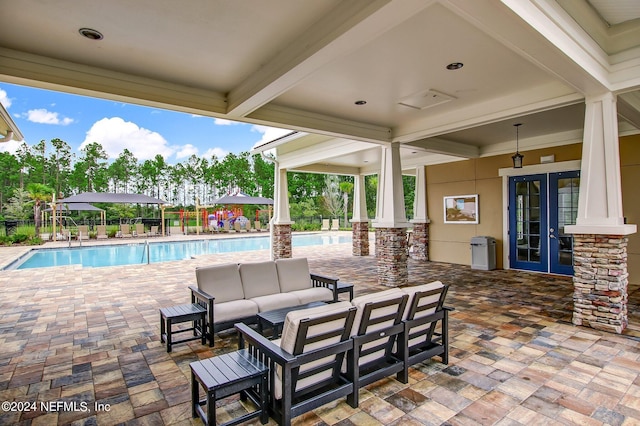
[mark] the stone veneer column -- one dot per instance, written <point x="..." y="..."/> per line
<point x="281" y="243"/>
<point x="600" y="281"/>
<point x="391" y="255"/>
<point x="420" y="241"/>
<point x="360" y="238"/>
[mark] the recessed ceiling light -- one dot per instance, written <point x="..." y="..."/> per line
<point x="360" y="102"/>
<point x="455" y="66"/>
<point x="91" y="34"/>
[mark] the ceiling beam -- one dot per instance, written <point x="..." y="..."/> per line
<point x="446" y="147"/>
<point x="328" y="169"/>
<point x="54" y="74"/>
<point x="527" y="101"/>
<point x="306" y="121"/>
<point x="347" y="27"/>
<point x="320" y="153"/>
<point x="629" y="108"/>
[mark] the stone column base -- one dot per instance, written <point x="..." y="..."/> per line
<point x="360" y="239"/>
<point x="419" y="249"/>
<point x="391" y="254"/>
<point x="281" y="243"/>
<point x="600" y="281"/>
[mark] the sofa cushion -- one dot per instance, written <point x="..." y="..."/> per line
<point x="270" y="302"/>
<point x="293" y="274"/>
<point x="234" y="310"/>
<point x="220" y="281"/>
<point x="315" y="294"/>
<point x="290" y="333"/>
<point x="259" y="279"/>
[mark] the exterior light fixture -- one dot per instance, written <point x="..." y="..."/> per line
<point x="360" y="102"/>
<point x="455" y="66"/>
<point x="517" y="157"/>
<point x="91" y="34"/>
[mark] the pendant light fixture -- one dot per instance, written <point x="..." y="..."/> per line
<point x="517" y="157"/>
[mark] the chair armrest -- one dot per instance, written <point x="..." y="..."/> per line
<point x="257" y="341"/>
<point x="200" y="295"/>
<point x="327" y="282"/>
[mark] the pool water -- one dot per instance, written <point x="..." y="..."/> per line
<point x="130" y="254"/>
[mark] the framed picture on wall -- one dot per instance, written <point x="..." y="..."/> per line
<point x="461" y="209"/>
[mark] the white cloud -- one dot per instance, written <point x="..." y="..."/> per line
<point x="10" y="147"/>
<point x="115" y="134"/>
<point x="43" y="116"/>
<point x="268" y="133"/>
<point x="218" y="152"/>
<point x="186" y="151"/>
<point x="4" y="99"/>
<point x="224" y="122"/>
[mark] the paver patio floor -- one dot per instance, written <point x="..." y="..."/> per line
<point x="92" y="335"/>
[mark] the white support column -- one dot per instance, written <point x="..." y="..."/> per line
<point x="359" y="200"/>
<point x="600" y="202"/>
<point x="360" y="221"/>
<point x="282" y="216"/>
<point x="419" y="241"/>
<point x="600" y="276"/>
<point x="391" y="221"/>
<point x="390" y="202"/>
<point x="281" y="226"/>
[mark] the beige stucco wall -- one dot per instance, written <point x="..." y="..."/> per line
<point x="451" y="242"/>
<point x="630" y="171"/>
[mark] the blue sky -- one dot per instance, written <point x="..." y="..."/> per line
<point x="44" y="114"/>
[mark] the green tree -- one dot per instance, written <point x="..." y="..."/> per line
<point x="90" y="171"/>
<point x="17" y="207"/>
<point x="39" y="194"/>
<point x="332" y="196"/>
<point x="9" y="176"/>
<point x="60" y="161"/>
<point x="122" y="171"/>
<point x="346" y="188"/>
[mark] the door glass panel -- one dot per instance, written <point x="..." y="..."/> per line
<point x="567" y="203"/>
<point x="528" y="220"/>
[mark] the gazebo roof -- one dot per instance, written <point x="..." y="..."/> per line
<point x="77" y="207"/>
<point x="109" y="197"/>
<point x="241" y="198"/>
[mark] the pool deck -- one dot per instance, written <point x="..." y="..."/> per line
<point x="92" y="335"/>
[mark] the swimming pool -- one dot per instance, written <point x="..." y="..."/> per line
<point x="130" y="254"/>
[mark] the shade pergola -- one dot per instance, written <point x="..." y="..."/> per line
<point x="76" y="207"/>
<point x="242" y="199"/>
<point x="110" y="197"/>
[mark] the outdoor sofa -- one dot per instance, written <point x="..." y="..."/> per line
<point x="234" y="293"/>
<point x="332" y="351"/>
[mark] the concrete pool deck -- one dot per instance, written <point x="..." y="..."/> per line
<point x="92" y="335"/>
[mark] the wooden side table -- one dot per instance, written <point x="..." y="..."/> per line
<point x="183" y="313"/>
<point x="228" y="374"/>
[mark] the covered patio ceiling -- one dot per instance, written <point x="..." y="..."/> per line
<point x="351" y="74"/>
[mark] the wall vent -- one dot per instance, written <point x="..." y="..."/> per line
<point x="425" y="99"/>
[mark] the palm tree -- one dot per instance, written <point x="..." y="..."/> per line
<point x="39" y="193"/>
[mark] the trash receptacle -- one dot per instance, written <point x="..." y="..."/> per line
<point x="483" y="253"/>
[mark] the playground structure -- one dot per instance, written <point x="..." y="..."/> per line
<point x="214" y="219"/>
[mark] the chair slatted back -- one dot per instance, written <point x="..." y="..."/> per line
<point x="424" y="305"/>
<point x="377" y="316"/>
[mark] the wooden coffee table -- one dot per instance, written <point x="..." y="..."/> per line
<point x="275" y="318"/>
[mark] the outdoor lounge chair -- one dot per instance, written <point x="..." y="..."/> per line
<point x="325" y="225"/>
<point x="424" y="313"/>
<point x="377" y="327"/>
<point x="83" y="232"/>
<point x="138" y="230"/>
<point x="124" y="232"/>
<point x="101" y="232"/>
<point x="257" y="226"/>
<point x="304" y="365"/>
<point x="335" y="224"/>
<point x="153" y="231"/>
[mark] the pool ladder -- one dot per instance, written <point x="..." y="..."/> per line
<point x="146" y="250"/>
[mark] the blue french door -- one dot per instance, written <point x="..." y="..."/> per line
<point x="528" y="243"/>
<point x="540" y="206"/>
<point x="563" y="210"/>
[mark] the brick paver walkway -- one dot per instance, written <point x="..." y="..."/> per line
<point x="85" y="336"/>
